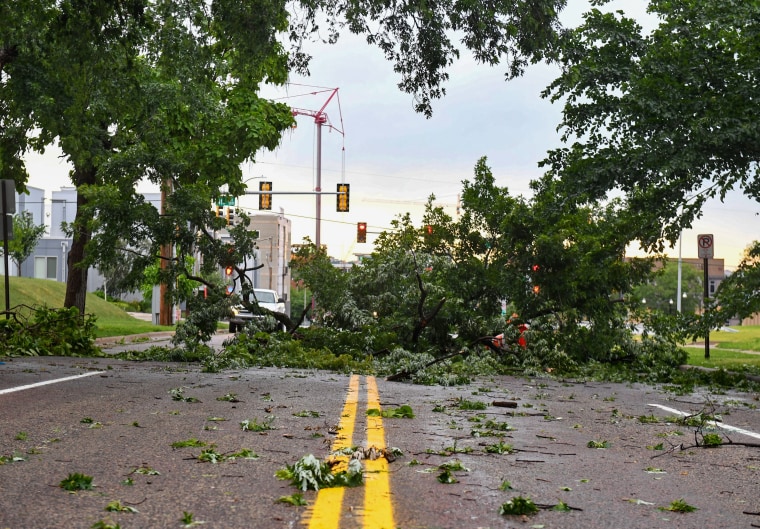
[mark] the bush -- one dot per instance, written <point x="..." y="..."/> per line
<point x="49" y="332"/>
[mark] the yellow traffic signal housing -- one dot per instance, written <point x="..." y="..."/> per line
<point x="361" y="232"/>
<point x="265" y="199"/>
<point x="342" y="203"/>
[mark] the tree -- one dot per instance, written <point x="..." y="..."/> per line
<point x="18" y="34"/>
<point x="667" y="118"/>
<point x="26" y="235"/>
<point x="417" y="37"/>
<point x="137" y="89"/>
<point x="661" y="291"/>
<point x="312" y="267"/>
<point x="739" y="294"/>
<point x="441" y="288"/>
<point x="117" y="274"/>
<point x="168" y="90"/>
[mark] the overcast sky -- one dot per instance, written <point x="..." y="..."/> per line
<point x="395" y="158"/>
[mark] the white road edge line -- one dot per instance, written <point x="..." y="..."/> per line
<point x="45" y="383"/>
<point x="712" y="423"/>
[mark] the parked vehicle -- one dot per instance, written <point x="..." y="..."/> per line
<point x="266" y="299"/>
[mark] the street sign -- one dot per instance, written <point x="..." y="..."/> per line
<point x="705" y="248"/>
<point x="225" y="200"/>
<point x="9" y="196"/>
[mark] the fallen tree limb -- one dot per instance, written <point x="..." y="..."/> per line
<point x="407" y="373"/>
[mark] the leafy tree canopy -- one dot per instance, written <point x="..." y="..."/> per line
<point x="739" y="294"/>
<point x="667" y="118"/>
<point x="441" y="285"/>
<point x="418" y="38"/>
<point x="168" y="90"/>
<point x="661" y="291"/>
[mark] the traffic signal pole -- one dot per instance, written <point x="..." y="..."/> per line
<point x="295" y="193"/>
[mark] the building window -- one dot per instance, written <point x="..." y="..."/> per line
<point x="46" y="268"/>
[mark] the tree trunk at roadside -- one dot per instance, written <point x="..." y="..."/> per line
<point x="76" y="283"/>
<point x="165" y="308"/>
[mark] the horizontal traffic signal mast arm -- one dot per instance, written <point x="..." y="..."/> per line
<point x="293" y="193"/>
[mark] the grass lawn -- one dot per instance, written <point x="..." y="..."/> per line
<point x="111" y="319"/>
<point x="727" y="349"/>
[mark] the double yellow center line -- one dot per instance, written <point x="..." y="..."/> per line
<point x="378" y="511"/>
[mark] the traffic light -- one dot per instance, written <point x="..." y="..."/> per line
<point x="534" y="269"/>
<point x="265" y="199"/>
<point x="361" y="232"/>
<point x="228" y="271"/>
<point x="230" y="215"/>
<point x="217" y="210"/>
<point x="342" y="204"/>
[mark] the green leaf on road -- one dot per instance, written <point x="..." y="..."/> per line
<point x="116" y="506"/>
<point x="76" y="481"/>
<point x="402" y="412"/>
<point x="678" y="506"/>
<point x="296" y="499"/>
<point x="518" y="506"/>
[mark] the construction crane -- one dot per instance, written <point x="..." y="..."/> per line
<point x="321" y="119"/>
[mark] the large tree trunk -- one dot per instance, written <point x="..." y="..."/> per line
<point x="165" y="308"/>
<point x="76" y="284"/>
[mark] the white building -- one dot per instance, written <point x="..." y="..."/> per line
<point x="274" y="253"/>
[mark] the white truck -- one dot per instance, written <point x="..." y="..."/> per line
<point x="267" y="299"/>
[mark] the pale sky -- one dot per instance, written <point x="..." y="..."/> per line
<point x="395" y="158"/>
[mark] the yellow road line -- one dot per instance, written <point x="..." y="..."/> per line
<point x="378" y="511"/>
<point x="325" y="514"/>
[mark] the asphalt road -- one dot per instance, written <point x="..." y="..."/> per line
<point x="116" y="421"/>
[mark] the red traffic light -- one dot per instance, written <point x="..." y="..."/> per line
<point x="361" y="232"/>
<point x="228" y="271"/>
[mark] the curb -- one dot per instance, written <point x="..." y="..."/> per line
<point x="132" y="338"/>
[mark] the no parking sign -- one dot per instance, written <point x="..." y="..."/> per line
<point x="705" y="246"/>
